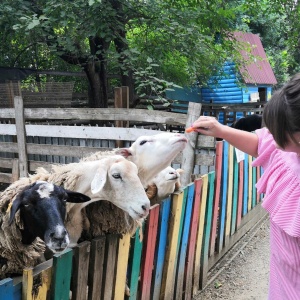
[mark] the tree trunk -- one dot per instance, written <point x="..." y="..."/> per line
<point x="97" y="77"/>
<point x="127" y="79"/>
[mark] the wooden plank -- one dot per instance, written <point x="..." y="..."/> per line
<point x="180" y="272"/>
<point x="96" y="263"/>
<point x="27" y="284"/>
<point x="188" y="280"/>
<point x="204" y="141"/>
<point x="246" y="184"/>
<point x="223" y="203"/>
<point x="21" y="136"/>
<point x="261" y="173"/>
<point x="17" y="291"/>
<point x="171" y="252"/>
<point x="254" y="200"/>
<point x="258" y="177"/>
<point x="123" y="255"/>
<point x="165" y="208"/>
<point x="37" y="281"/>
<point x="15" y="170"/>
<point x="6" y="162"/>
<point x="179" y="238"/>
<point x="194" y="111"/>
<point x="110" y="114"/>
<point x="80" y="270"/>
<point x="148" y="253"/>
<point x="184" y="202"/>
<point x="134" y="264"/>
<point x="218" y="182"/>
<point x="81" y="132"/>
<point x="204" y="159"/>
<point x="250" y="174"/>
<point x="6" y="178"/>
<point x="6" y="289"/>
<point x="229" y="193"/>
<point x="61" y="276"/>
<point x="118" y="104"/>
<point x="207" y="228"/>
<point x="110" y="264"/>
<point x="200" y="235"/>
<point x="235" y="194"/>
<point x="241" y="193"/>
<point x="75" y="151"/>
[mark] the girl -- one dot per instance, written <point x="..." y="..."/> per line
<point x="277" y="149"/>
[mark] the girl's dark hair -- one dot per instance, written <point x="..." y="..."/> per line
<point x="282" y="113"/>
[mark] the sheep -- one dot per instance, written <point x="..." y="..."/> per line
<point x="151" y="154"/>
<point x="32" y="218"/>
<point x="164" y="183"/>
<point x="249" y="123"/>
<point x="112" y="178"/>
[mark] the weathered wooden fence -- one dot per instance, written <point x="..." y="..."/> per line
<point x="182" y="238"/>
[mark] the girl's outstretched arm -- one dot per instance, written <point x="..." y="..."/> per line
<point x="243" y="140"/>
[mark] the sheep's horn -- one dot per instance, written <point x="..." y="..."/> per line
<point x="14" y="208"/>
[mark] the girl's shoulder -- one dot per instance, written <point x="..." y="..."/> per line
<point x="280" y="182"/>
<point x="270" y="157"/>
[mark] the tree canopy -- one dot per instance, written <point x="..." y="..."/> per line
<point x="149" y="45"/>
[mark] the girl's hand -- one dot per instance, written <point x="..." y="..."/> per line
<point x="207" y="126"/>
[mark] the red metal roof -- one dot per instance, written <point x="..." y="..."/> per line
<point x="259" y="72"/>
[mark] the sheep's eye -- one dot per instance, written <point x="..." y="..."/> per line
<point x="143" y="142"/>
<point x="26" y="205"/>
<point x="116" y="176"/>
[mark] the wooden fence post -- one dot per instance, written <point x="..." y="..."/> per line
<point x="21" y="135"/>
<point x="121" y="101"/>
<point x="188" y="155"/>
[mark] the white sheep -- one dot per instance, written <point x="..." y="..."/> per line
<point x="151" y="154"/>
<point x="164" y="184"/>
<point x="32" y="217"/>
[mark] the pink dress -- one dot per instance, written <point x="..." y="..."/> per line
<point x="281" y="185"/>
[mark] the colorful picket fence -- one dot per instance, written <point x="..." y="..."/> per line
<point x="182" y="239"/>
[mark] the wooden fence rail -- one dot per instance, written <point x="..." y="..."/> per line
<point x="37" y="145"/>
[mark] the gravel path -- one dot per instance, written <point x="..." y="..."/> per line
<point x="244" y="273"/>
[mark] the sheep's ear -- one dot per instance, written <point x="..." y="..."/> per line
<point x="99" y="181"/>
<point x="124" y="152"/>
<point x="75" y="197"/>
<point x="14" y="208"/>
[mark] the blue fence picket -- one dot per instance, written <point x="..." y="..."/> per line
<point x="165" y="208"/>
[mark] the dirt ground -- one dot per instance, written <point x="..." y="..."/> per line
<point x="244" y="273"/>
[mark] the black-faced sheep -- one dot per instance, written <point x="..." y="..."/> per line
<point x="151" y="154"/>
<point x="32" y="219"/>
<point x="249" y="123"/>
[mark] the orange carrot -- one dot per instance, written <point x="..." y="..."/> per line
<point x="190" y="129"/>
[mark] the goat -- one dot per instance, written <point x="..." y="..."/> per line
<point x="31" y="221"/>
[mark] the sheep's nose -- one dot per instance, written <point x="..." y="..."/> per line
<point x="59" y="235"/>
<point x="146" y="208"/>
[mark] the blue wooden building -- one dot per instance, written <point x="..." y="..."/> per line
<point x="257" y="80"/>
